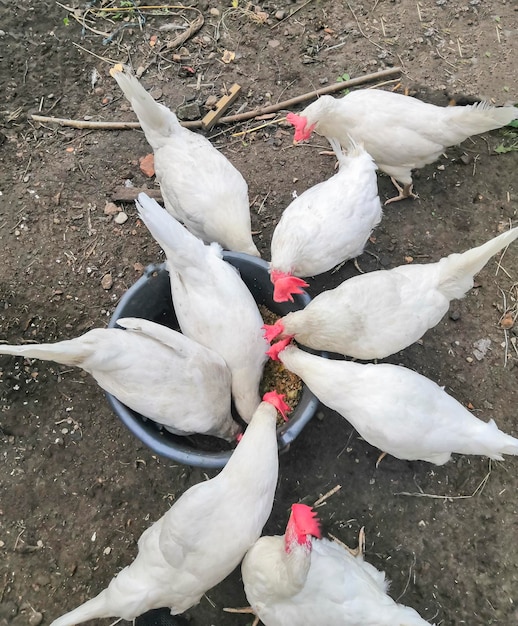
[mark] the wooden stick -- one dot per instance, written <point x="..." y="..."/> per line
<point x="222" y="105"/>
<point x="129" y="194"/>
<point x="230" y="119"/>
<point x="327" y="495"/>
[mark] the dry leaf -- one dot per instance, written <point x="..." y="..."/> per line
<point x="260" y="16"/>
<point x="507" y="321"/>
<point x="228" y="56"/>
<point x="409" y="259"/>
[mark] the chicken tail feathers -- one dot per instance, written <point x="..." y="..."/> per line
<point x="494" y="443"/>
<point x="157" y="121"/>
<point x="457" y="270"/>
<point x="96" y="608"/>
<point x="480" y="118"/>
<point x="353" y="150"/>
<point x="181" y="247"/>
<point x="69" y="352"/>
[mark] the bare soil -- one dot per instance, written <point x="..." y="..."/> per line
<point x="77" y="489"/>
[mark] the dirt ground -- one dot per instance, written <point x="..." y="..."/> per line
<point x="77" y="489"/>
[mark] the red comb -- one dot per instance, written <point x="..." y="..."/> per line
<point x="277" y="400"/>
<point x="305" y="520"/>
<point x="273" y="352"/>
<point x="297" y="121"/>
<point x="285" y="285"/>
<point x="302" y="525"/>
<point x="300" y="122"/>
<point x="271" y="331"/>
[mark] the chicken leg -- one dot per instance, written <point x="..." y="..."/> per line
<point x="356" y="552"/>
<point x="404" y="192"/>
<point x="246" y="609"/>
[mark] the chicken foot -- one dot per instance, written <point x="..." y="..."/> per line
<point x="404" y="192"/>
<point x="380" y="459"/>
<point x="356" y="552"/>
<point x="246" y="609"/>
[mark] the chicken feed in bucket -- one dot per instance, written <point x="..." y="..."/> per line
<point x="150" y="298"/>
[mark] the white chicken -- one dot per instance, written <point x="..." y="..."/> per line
<point x="212" y="304"/>
<point x="395" y="409"/>
<point x="153" y="370"/>
<point x="302" y="579"/>
<point x="399" y="132"/>
<point x="375" y="315"/>
<point x="199" y="185"/>
<point x="204" y="535"/>
<point x="327" y="224"/>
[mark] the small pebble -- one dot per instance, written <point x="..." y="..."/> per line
<point x="455" y="315"/>
<point x="120" y="218"/>
<point x="107" y="282"/>
<point x="480" y="348"/>
<point x="35" y="618"/>
<point x="274" y="43"/>
<point x="280" y="15"/>
<point x="214" y="12"/>
<point x="188" y="112"/>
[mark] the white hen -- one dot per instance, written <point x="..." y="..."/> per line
<point x="199" y="185"/>
<point x="204" y="535"/>
<point x="153" y="370"/>
<point x="375" y="315"/>
<point x="304" y="580"/>
<point x="212" y="304"/>
<point x="395" y="409"/>
<point x="327" y="224"/>
<point x="399" y="132"/>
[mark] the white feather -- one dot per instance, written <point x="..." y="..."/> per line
<point x="399" y="132"/>
<point x="380" y="313"/>
<point x="201" y="539"/>
<point x="199" y="185"/>
<point x="330" y="222"/>
<point x="397" y="410"/>
<point x="153" y="370"/>
<point x="212" y="304"/>
<point x="325" y="585"/>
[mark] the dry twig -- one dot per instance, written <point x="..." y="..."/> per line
<point x="327" y="495"/>
<point x="291" y="14"/>
<point x="478" y="490"/>
<point x="240" y="117"/>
